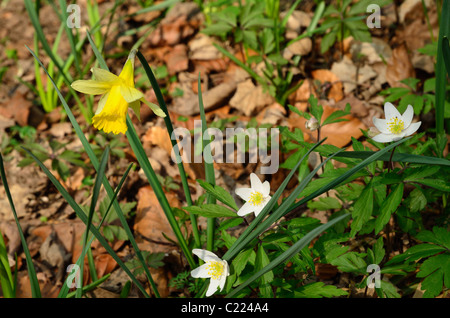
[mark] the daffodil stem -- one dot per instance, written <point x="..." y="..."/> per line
<point x="156" y="186"/>
<point x="170" y="129"/>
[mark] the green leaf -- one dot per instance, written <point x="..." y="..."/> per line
<point x="351" y="262"/>
<point x="362" y="209"/>
<point x="439" y="235"/>
<point x="217" y="29"/>
<point x="389" y="206"/>
<point x="415" y="253"/>
<point x="242" y="259"/>
<point x="434" y="270"/>
<point x="219" y="193"/>
<point x="261" y="261"/>
<point x="318" y="290"/>
<point x="326" y="203"/>
<point x="438" y="184"/>
<point x="211" y="210"/>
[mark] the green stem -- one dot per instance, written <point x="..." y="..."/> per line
<point x="170" y="129"/>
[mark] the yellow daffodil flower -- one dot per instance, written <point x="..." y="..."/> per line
<point x="118" y="93"/>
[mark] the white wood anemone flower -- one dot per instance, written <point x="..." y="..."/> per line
<point x="118" y="93"/>
<point x="395" y="126"/>
<point x="257" y="196"/>
<point x="214" y="268"/>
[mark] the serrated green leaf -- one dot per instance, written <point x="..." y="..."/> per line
<point x="261" y="261"/>
<point x="350" y="262"/>
<point x="326" y="203"/>
<point x="318" y="290"/>
<point x="362" y="209"/>
<point x="211" y="210"/>
<point x="219" y="193"/>
<point x="389" y="206"/>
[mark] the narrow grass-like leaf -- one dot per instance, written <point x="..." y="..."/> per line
<point x="64" y="290"/>
<point x="209" y="168"/>
<point x="446" y="54"/>
<point x="82" y="216"/>
<point x="95" y="195"/>
<point x="397" y="157"/>
<point x="294" y="249"/>
<point x="6" y="279"/>
<point x="142" y="158"/>
<point x="170" y="130"/>
<point x="441" y="79"/>
<point x="35" y="290"/>
<point x="89" y="287"/>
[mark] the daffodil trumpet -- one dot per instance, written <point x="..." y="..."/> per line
<point x="118" y="94"/>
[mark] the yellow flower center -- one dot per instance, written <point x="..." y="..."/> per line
<point x="396" y="126"/>
<point x="215" y="269"/>
<point x="256" y="198"/>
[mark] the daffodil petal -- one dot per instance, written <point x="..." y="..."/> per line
<point x="381" y="125"/>
<point x="383" y="138"/>
<point x="105" y="76"/>
<point x="408" y="115"/>
<point x="127" y="73"/>
<point x="201" y="271"/>
<point x="130" y="94"/>
<point x="390" y="111"/>
<point x="412" y="128"/>
<point x="112" y="117"/>
<point x="91" y="87"/>
<point x="246" y="209"/>
<point x="101" y="103"/>
<point x="244" y="193"/>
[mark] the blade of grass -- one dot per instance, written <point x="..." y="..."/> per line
<point x="209" y="168"/>
<point x="35" y="290"/>
<point x="441" y="79"/>
<point x="398" y="157"/>
<point x="6" y="279"/>
<point x="81" y="215"/>
<point x="64" y="290"/>
<point x="95" y="194"/>
<point x="88" y="287"/>
<point x="144" y="163"/>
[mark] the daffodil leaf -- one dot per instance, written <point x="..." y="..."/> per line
<point x="389" y="206"/>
